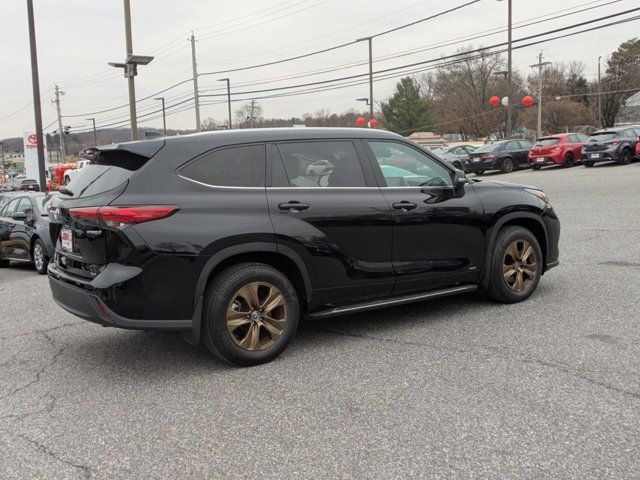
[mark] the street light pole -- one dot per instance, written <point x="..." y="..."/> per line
<point x="130" y="74"/>
<point x="95" y="134"/>
<point x="228" y="97"/>
<point x="370" y="40"/>
<point x="600" y="95"/>
<point x="35" y="81"/>
<point x="164" y="115"/>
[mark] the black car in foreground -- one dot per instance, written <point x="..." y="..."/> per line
<point x="226" y="236"/>
<point x="24" y="231"/>
<point x="30" y="185"/>
<point x="505" y="155"/>
<point x="611" y="144"/>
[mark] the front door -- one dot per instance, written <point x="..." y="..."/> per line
<point x="438" y="237"/>
<point x="325" y="205"/>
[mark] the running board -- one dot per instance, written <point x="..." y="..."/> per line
<point x="361" y="307"/>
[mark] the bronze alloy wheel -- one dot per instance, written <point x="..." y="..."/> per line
<point x="519" y="265"/>
<point x="256" y="316"/>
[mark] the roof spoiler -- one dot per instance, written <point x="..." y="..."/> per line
<point x="146" y="148"/>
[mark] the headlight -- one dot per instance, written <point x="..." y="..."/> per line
<point x="538" y="194"/>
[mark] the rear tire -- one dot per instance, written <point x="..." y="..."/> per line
<point x="480" y="172"/>
<point x="244" y="339"/>
<point x="569" y="161"/>
<point x="507" y="165"/>
<point x="625" y="157"/>
<point x="39" y="257"/>
<point x="588" y="164"/>
<point x="516" y="265"/>
<point x="4" y="263"/>
<point x="536" y="167"/>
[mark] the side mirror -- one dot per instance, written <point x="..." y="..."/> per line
<point x="19" y="216"/>
<point x="459" y="179"/>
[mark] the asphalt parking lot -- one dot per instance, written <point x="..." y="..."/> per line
<point x="457" y="387"/>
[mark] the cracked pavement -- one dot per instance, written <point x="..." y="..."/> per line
<point x="455" y="387"/>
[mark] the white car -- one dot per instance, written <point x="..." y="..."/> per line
<point x="72" y="172"/>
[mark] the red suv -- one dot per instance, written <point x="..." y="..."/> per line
<point x="563" y="149"/>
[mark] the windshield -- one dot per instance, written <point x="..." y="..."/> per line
<point x="545" y="142"/>
<point x="492" y="147"/>
<point x="602" y="136"/>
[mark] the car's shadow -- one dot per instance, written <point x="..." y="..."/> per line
<point x="156" y="352"/>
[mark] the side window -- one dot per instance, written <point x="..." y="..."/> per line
<point x="11" y="207"/>
<point x="242" y="166"/>
<point x="583" y="138"/>
<point x="322" y="164"/>
<point x="460" y="151"/>
<point x="629" y="133"/>
<point x="404" y="166"/>
<point x="525" y="145"/>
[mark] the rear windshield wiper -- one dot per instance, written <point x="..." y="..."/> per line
<point x="66" y="191"/>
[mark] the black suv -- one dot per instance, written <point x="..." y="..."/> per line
<point x="611" y="144"/>
<point x="227" y="237"/>
<point x="505" y="155"/>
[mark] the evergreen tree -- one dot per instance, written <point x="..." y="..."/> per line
<point x="407" y="111"/>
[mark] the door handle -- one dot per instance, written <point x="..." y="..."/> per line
<point x="405" y="206"/>
<point x="293" y="206"/>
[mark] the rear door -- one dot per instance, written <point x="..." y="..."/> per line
<point x="338" y="222"/>
<point x="438" y="236"/>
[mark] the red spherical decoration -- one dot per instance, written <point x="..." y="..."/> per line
<point x="494" y="101"/>
<point x="361" y="121"/>
<point x="527" y="101"/>
<point x="372" y="123"/>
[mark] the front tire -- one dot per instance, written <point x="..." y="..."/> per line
<point x="4" y="263"/>
<point x="480" y="172"/>
<point x="251" y="313"/>
<point x="516" y="265"/>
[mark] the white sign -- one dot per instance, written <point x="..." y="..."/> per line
<point x="30" y="142"/>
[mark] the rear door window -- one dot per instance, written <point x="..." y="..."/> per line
<point x="322" y="164"/>
<point x="545" y="142"/>
<point x="241" y="166"/>
<point x="24" y="206"/>
<point x="108" y="170"/>
<point x="10" y="208"/>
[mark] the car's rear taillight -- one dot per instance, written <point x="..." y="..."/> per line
<point x="119" y="217"/>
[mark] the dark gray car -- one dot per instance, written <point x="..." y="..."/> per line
<point x="24" y="231"/>
<point x="455" y="155"/>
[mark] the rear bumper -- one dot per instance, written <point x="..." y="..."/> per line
<point x="541" y="161"/>
<point x="82" y="299"/>
<point x="603" y="156"/>
<point x="480" y="166"/>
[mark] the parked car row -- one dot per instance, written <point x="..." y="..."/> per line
<point x="620" y="144"/>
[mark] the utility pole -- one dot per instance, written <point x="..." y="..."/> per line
<point x="95" y="134"/>
<point x="164" y="115"/>
<point x="370" y="40"/>
<point x="600" y="95"/>
<point x="196" y="96"/>
<point x="228" y="97"/>
<point x="63" y="149"/>
<point x="539" y="66"/>
<point x="4" y="167"/>
<point x="37" y="107"/>
<point x="253" y="106"/>
<point x="509" y="72"/>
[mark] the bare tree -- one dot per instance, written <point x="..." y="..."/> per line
<point x="249" y="115"/>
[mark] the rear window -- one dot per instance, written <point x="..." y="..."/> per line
<point x="602" y="136"/>
<point x="242" y="166"/>
<point x="545" y="142"/>
<point x="489" y="148"/>
<point x="108" y="170"/>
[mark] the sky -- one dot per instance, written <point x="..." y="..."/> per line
<point x="76" y="39"/>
